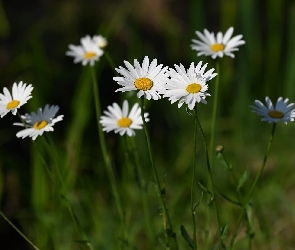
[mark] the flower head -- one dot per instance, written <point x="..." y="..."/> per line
<point x="121" y="120"/>
<point x="188" y="86"/>
<point x="37" y="123"/>
<point x="217" y="46"/>
<point x="148" y="79"/>
<point x="87" y="52"/>
<point x="281" y="112"/>
<point x="21" y="93"/>
<point x="100" y="41"/>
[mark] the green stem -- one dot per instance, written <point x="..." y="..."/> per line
<point x="105" y="155"/>
<point x="240" y="199"/>
<point x="211" y="183"/>
<point x="111" y="62"/>
<point x="16" y="229"/>
<point x="63" y="189"/>
<point x="211" y="145"/>
<point x="214" y="113"/>
<point x="253" y="185"/>
<point x="193" y="181"/>
<point x="50" y="148"/>
<point x="159" y="189"/>
<point x="143" y="193"/>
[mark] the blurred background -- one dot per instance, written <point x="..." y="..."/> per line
<point x="34" y="38"/>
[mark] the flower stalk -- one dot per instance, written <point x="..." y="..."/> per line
<point x="169" y="232"/>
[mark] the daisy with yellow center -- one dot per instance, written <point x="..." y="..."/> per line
<point x="21" y="93"/>
<point x="121" y="120"/>
<point x="147" y="79"/>
<point x="88" y="52"/>
<point x="282" y="111"/>
<point x="189" y="86"/>
<point x="37" y="123"/>
<point x="217" y="46"/>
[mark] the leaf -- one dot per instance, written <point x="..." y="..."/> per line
<point x="186" y="237"/>
<point x="243" y="179"/>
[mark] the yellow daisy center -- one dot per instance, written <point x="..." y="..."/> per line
<point x="217" y="47"/>
<point x="143" y="83"/>
<point x="39" y="125"/>
<point x="193" y="88"/>
<point x="89" y="55"/>
<point x="276" y="114"/>
<point x="12" y="105"/>
<point x="124" y="122"/>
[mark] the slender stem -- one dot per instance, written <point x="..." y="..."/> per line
<point x="193" y="181"/>
<point x="214" y="113"/>
<point x="211" y="182"/>
<point x="240" y="199"/>
<point x="142" y="190"/>
<point x="159" y="189"/>
<point x="211" y="145"/>
<point x="64" y="192"/>
<point x="111" y="62"/>
<point x="104" y="149"/>
<point x="20" y="233"/>
<point x="50" y="148"/>
<point x="248" y="197"/>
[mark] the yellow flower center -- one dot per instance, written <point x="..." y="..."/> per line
<point x="124" y="122"/>
<point x="193" y="88"/>
<point x="217" y="47"/>
<point x="89" y="55"/>
<point x="39" y="125"/>
<point x="275" y="114"/>
<point x="143" y="83"/>
<point x="12" y="105"/>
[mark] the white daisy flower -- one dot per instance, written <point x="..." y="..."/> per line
<point x="21" y="93"/>
<point x="37" y="123"/>
<point x="100" y="41"/>
<point x="121" y="121"/>
<point x="87" y="52"/>
<point x="149" y="79"/>
<point x="217" y="46"/>
<point x="281" y="112"/>
<point x="189" y="86"/>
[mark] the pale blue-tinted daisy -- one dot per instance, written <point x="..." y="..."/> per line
<point x="282" y="111"/>
<point x="189" y="86"/>
<point x="121" y="120"/>
<point x="21" y="93"/>
<point x="217" y="46"/>
<point x="87" y="52"/>
<point x="37" y="123"/>
<point x="148" y="79"/>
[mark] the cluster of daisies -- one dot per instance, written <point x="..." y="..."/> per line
<point x="185" y="86"/>
<point x="151" y="81"/>
<point x="35" y="123"/>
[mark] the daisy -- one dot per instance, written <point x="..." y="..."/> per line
<point x="100" y="41"/>
<point x="148" y="79"/>
<point x="217" y="46"/>
<point x="21" y="93"/>
<point x="87" y="52"/>
<point x="188" y="86"/>
<point x="37" y="123"/>
<point x="121" y="121"/>
<point x="281" y="112"/>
